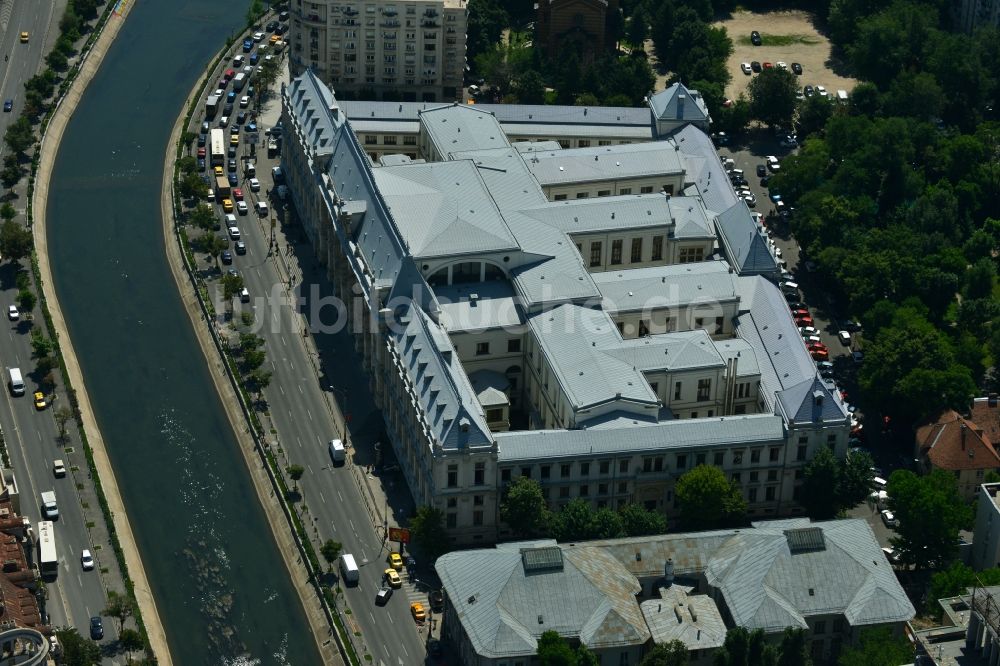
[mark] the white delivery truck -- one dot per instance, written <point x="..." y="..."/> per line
<point x="16" y="382"/>
<point x="842" y="96"/>
<point x="337" y="451"/>
<point x="349" y="568"/>
<point x="238" y="82"/>
<point x="49" y="507"/>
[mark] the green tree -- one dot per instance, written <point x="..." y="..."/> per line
<point x="63" y="415"/>
<point x="814" y="112"/>
<point x="707" y="499"/>
<point x="745" y="648"/>
<point x="56" y="59"/>
<point x="854" y="481"/>
<point x="585" y="657"/>
<point x="793" y="649"/>
<point x="553" y="650"/>
<point x="7" y="212"/>
<point x="130" y="640"/>
<point x="20" y="136"/>
<point x="955" y="580"/>
<point x="250" y="342"/>
<point x="188" y="165"/>
<point x="671" y="653"/>
<point x="77" y="650"/>
<point x="523" y="508"/>
<point x="258" y="380"/>
<point x="254" y="11"/>
<point x="487" y="19"/>
<point x="772" y="97"/>
<point x="192" y="186"/>
<point x="121" y="607"/>
<point x="822" y="477"/>
<point x="15" y="241"/>
<point x="203" y="216"/>
<point x="231" y="285"/>
<point x="930" y="514"/>
<point x="638" y="521"/>
<point x="877" y="647"/>
<point x="254" y="359"/>
<point x="530" y="88"/>
<point x="428" y="531"/>
<point x="574" y="522"/>
<point x="637" y="29"/>
<point x="41" y="346"/>
<point x="295" y="472"/>
<point x="213" y="245"/>
<point x="26" y="300"/>
<point x="330" y="550"/>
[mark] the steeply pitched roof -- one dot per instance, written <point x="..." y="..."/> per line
<point x="678" y="103"/>
<point x="953" y="442"/>
<point x="448" y="209"/>
<point x="744" y="242"/>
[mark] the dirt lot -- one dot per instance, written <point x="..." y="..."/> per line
<point x="793" y="38"/>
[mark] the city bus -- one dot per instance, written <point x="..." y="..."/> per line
<point x="218" y="147"/>
<point x="48" y="560"/>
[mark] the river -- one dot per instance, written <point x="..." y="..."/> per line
<point x="222" y="591"/>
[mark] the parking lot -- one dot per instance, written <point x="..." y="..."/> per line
<point x="787" y="36"/>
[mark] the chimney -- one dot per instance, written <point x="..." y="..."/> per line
<point x="668" y="571"/>
<point x="680" y="107"/>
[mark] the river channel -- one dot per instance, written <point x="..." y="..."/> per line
<point x="222" y="591"/>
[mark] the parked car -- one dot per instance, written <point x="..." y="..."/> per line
<point x="745" y="66"/>
<point x="8" y="105"/>
<point x="755" y="38"/>
<point x="86" y="560"/>
<point x="761" y="170"/>
<point x="845" y="338"/>
<point x="808" y="90"/>
<point x="796" y="68"/>
<point x="772" y="163"/>
<point x="889" y="518"/>
<point x="96" y="628"/>
<point x="755" y="66"/>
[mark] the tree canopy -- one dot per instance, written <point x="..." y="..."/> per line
<point x="877" y="647"/>
<point x="930" y="514"/>
<point x="707" y="499"/>
<point x="835" y="485"/>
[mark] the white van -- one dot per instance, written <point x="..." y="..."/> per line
<point x="262" y="209"/>
<point x="251" y="170"/>
<point x="879" y="483"/>
<point x="16" y="382"/>
<point x="349" y="568"/>
<point x="337" y="451"/>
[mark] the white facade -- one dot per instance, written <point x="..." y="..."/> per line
<point x="986" y="537"/>
<point x="407" y="50"/>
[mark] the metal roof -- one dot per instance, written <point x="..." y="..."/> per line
<point x="477" y="306"/>
<point x="447" y="207"/>
<point x="601" y="163"/>
<point x="669" y="352"/>
<point x="672" y="286"/>
<point x="459" y="128"/>
<point x="678" y="103"/>
<point x="542" y="114"/>
<point x="745" y="242"/>
<point x="745" y="430"/>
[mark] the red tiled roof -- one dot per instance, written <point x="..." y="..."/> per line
<point x="17" y="603"/>
<point x="955" y="443"/>
<point x="987" y="417"/>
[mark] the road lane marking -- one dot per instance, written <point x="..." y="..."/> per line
<point x="340" y="496"/>
<point x="309" y="414"/>
<point x="321" y="498"/>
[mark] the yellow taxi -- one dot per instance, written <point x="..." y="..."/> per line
<point x="40" y="402"/>
<point x="417" y="611"/>
<point x="275" y="39"/>
<point x="396" y="561"/>
<point x="24" y="37"/>
<point x="219" y="171"/>
<point x="393" y="578"/>
<point x="234" y="139"/>
<point x="227" y="205"/>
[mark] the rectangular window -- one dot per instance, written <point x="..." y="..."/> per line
<point x="409" y="140"/>
<point x="583" y="143"/>
<point x="480" y="474"/>
<point x="595" y="253"/>
<point x="584" y="490"/>
<point x="769" y="493"/>
<point x="477" y="518"/>
<point x="371" y="139"/>
<point x="699" y="459"/>
<point x="546" y="471"/>
<point x="646" y="189"/>
<point x="452" y="476"/>
<point x="526" y="472"/>
<point x="704" y="389"/>
<point x="564" y="492"/>
<point x="647" y="464"/>
<point x="740" y="409"/>
<point x="772" y="475"/>
<point x="604" y="193"/>
<point x="482" y="348"/>
<point x="585" y="469"/>
<point x="513" y="346"/>
<point x="452" y="521"/>
<point x="677" y="391"/>
<point x="754" y="476"/>
<point x="564" y="471"/>
<point x="478" y="500"/>
<point x="657" y="248"/>
<point x="622" y="488"/>
<point x="582" y="195"/>
<point x="691" y="254"/>
<point x="494" y="415"/>
<point x="602" y="489"/>
<point x="774" y="453"/>
<point x="452" y="502"/>
<point x="605" y="467"/>
<point x="658" y="464"/>
<point x="625" y="190"/>
<point x="623" y="466"/>
<point x="719" y="458"/>
<point x="390" y="140"/>
<point x="755" y="456"/>
<point x="636" y="250"/>
<point x="752" y="494"/>
<point x="616" y="252"/>
<point x="559" y="197"/>
<point x="738" y="457"/>
<point x="800" y="455"/>
<point x="736" y="477"/>
<point x="505" y="476"/>
<point x="655" y="387"/>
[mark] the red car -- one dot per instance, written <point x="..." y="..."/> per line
<point x="800" y="312"/>
<point x="804" y="321"/>
<point x="238" y="194"/>
<point x="768" y="65"/>
<point x="201" y="152"/>
<point x="816" y="345"/>
<point x="229" y="74"/>
<point x="819" y="354"/>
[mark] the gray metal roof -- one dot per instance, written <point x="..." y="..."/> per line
<point x="477" y="306"/>
<point x="509" y="113"/>
<point x="743" y="353"/>
<point x="510" y="183"/>
<point x="505" y="609"/>
<point x="745" y="430"/>
<point x="437" y="381"/>
<point x="693" y="619"/>
<point x="669" y="352"/>
<point x="593" y="132"/>
<point x="587" y="216"/>
<point x="600" y="163"/>
<point x="704" y="170"/>
<point x="574" y="339"/>
<point x="767" y="586"/>
<point x="459" y="128"/>
<point x="447" y="207"/>
<point x="535" y="146"/>
<point x="678" y="103"/>
<point x="744" y="242"/>
<point x="672" y="286"/>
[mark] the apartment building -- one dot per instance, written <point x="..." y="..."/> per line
<point x="602" y="345"/>
<point x="408" y="50"/>
<point x="621" y="597"/>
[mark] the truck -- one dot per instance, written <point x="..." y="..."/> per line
<point x="842" y="96"/>
<point x="15" y="381"/>
<point x="337" y="452"/>
<point x="238" y="81"/>
<point x="49" y="507"/>
<point x="48" y="558"/>
<point x="222" y="187"/>
<point x="211" y="106"/>
<point x="349" y="569"/>
<point x="218" y="146"/>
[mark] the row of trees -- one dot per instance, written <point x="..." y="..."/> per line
<point x="833" y="485"/>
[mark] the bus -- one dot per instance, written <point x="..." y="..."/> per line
<point x="48" y="560"/>
<point x="218" y="144"/>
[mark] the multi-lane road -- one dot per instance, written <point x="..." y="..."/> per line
<point x="40" y="19"/>
<point x="304" y="423"/>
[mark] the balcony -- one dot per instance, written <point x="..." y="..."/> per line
<point x="430" y="23"/>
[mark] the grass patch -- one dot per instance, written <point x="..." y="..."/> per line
<point x="781" y="40"/>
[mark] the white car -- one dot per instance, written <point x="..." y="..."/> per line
<point x="12" y="313"/>
<point x="257" y="36"/>
<point x="745" y="66"/>
<point x="241" y="207"/>
<point x="772" y="163"/>
<point x="234" y="233"/>
<point x="244" y="102"/>
<point x="254" y="185"/>
<point x="808" y="330"/>
<point x="230" y="220"/>
<point x="86" y="560"/>
<point x="821" y="91"/>
<point x="210" y="195"/>
<point x="889" y="518"/>
<point x="244" y="295"/>
<point x="781" y="64"/>
<point x="223" y="121"/>
<point x="845" y="338"/>
<point x="777" y="252"/>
